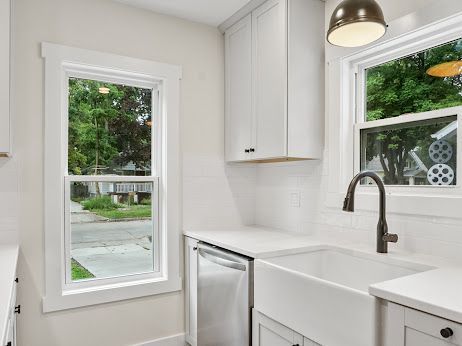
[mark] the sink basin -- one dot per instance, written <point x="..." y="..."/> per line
<point x="323" y="294"/>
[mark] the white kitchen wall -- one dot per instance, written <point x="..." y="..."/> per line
<point x="9" y="201"/>
<point x="212" y="193"/>
<point x="292" y="196"/>
<point x="216" y="194"/>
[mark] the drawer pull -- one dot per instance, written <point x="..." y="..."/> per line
<point x="17" y="309"/>
<point x="446" y="332"/>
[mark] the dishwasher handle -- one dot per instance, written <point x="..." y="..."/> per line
<point x="215" y="258"/>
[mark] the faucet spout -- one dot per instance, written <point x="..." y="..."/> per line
<point x="383" y="237"/>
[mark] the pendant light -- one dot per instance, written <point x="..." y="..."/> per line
<point x="451" y="68"/>
<point x="446" y="69"/>
<point x="356" y="23"/>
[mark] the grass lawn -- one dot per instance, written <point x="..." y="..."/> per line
<point x="79" y="272"/>
<point x="134" y="211"/>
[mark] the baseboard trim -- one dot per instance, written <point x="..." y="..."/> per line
<point x="174" y="340"/>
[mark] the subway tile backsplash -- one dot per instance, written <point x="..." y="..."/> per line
<point x="426" y="235"/>
<point x="217" y="194"/>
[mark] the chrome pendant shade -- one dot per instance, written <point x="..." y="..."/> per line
<point x="356" y="23"/>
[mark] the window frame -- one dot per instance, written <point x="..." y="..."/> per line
<point x="417" y="31"/>
<point x="403" y="119"/>
<point x="62" y="63"/>
<point x="357" y="77"/>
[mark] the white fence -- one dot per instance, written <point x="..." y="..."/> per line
<point x="106" y="188"/>
<point x="133" y="187"/>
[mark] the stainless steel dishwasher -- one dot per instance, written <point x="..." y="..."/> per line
<point x="224" y="297"/>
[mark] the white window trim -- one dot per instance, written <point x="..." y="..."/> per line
<point x="402" y="119"/>
<point x="440" y="27"/>
<point x="58" y="62"/>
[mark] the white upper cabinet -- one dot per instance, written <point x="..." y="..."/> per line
<point x="5" y="32"/>
<point x="238" y="47"/>
<point x="270" y="75"/>
<point x="275" y="82"/>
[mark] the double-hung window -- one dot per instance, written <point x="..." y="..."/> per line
<point x="111" y="177"/>
<point x="408" y="111"/>
<point x="395" y="108"/>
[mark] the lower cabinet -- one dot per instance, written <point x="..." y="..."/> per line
<point x="9" y="339"/>
<point x="267" y="332"/>
<point x="190" y="248"/>
<point x="409" y="327"/>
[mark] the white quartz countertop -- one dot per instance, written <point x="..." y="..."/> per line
<point x="255" y="242"/>
<point x="437" y="291"/>
<point x="8" y="262"/>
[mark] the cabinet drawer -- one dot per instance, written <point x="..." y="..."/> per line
<point x="416" y="338"/>
<point x="433" y="325"/>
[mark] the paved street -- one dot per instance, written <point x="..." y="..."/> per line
<point x="92" y="234"/>
<point x="113" y="248"/>
<point x="78" y="214"/>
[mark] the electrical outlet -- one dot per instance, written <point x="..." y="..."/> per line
<point x="295" y="199"/>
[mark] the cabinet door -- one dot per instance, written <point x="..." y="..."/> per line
<point x="238" y="60"/>
<point x="416" y="338"/>
<point x="9" y="338"/>
<point x="191" y="290"/>
<point x="5" y="8"/>
<point x="269" y="34"/>
<point x="409" y="327"/>
<point x="267" y="332"/>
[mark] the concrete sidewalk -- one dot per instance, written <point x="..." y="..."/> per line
<point x="109" y="249"/>
<point x="79" y="215"/>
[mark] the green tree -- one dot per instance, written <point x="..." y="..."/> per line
<point x="107" y="130"/>
<point x="402" y="86"/>
<point x="131" y="129"/>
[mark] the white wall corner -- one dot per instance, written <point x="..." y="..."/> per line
<point x="174" y="340"/>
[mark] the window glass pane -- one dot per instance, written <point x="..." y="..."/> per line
<point x="415" y="153"/>
<point x="109" y="128"/>
<point x="417" y="83"/>
<point x="111" y="229"/>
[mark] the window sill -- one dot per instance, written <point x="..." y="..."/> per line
<point x="76" y="298"/>
<point x="403" y="203"/>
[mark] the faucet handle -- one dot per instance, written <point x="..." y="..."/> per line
<point x="390" y="238"/>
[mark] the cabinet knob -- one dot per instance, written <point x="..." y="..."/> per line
<point x="17" y="309"/>
<point x="247" y="150"/>
<point x="252" y="150"/>
<point x="194" y="248"/>
<point x="446" y="332"/>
